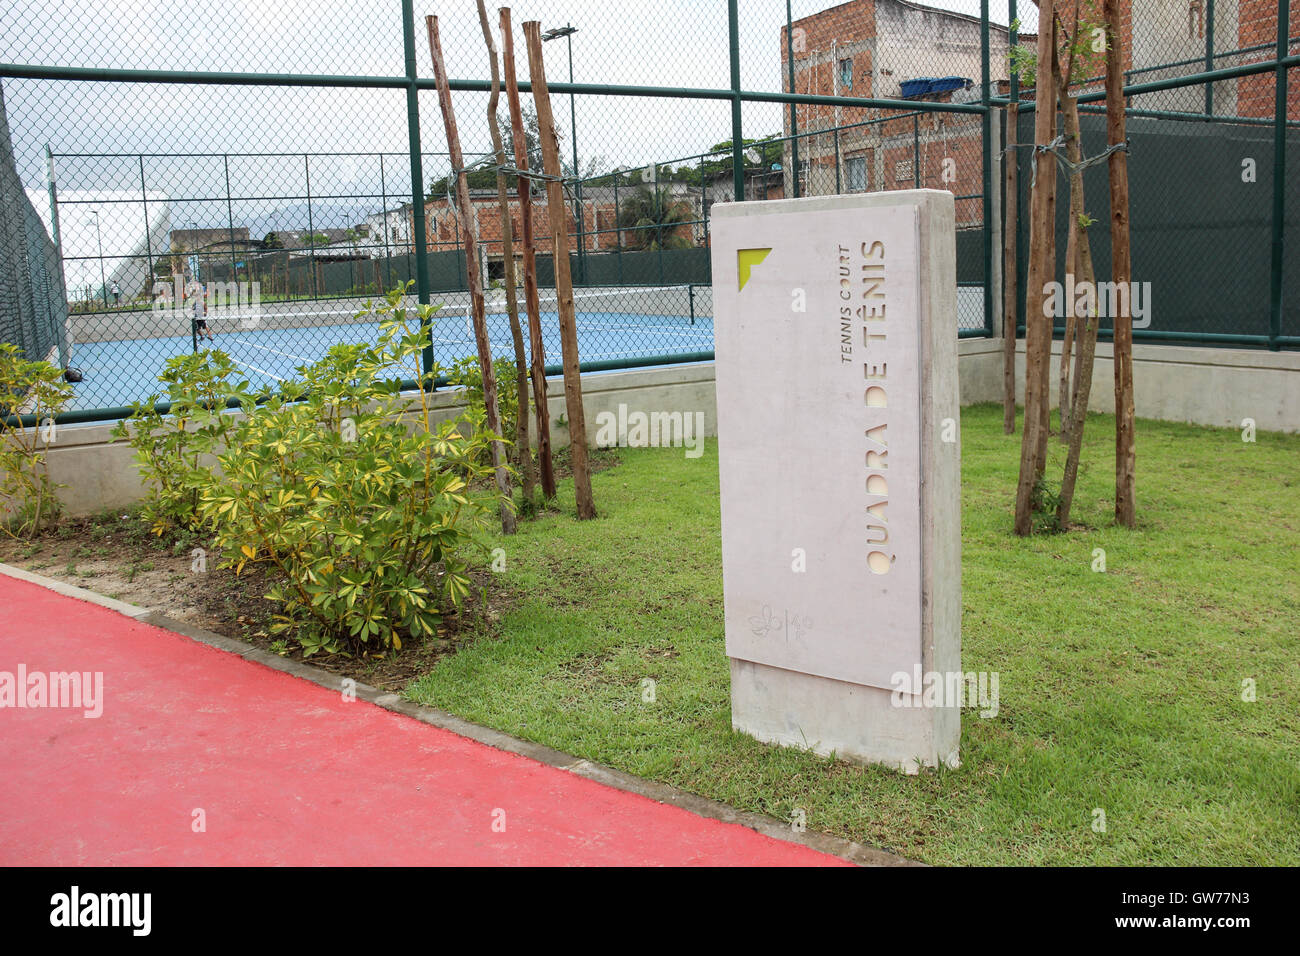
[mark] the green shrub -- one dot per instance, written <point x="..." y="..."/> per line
<point x="36" y="389"/>
<point x="467" y="373"/>
<point x="170" y="449"/>
<point x="352" y="492"/>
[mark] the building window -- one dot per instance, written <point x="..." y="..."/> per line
<point x="856" y="167"/>
<point x="903" y="170"/>
<point x="846" y="74"/>
<point x="803" y="176"/>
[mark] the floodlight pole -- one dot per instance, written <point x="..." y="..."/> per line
<point x="567" y="31"/>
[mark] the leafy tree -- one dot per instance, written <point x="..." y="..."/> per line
<point x="769" y="152"/>
<point x="486" y="177"/>
<point x="655" y="220"/>
<point x="39" y="389"/>
<point x="272" y="240"/>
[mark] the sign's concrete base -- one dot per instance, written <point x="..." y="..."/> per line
<point x="835" y="718"/>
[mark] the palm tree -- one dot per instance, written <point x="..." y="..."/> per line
<point x="656" y="220"/>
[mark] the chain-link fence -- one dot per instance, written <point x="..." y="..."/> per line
<point x="295" y="161"/>
<point x="1213" y="109"/>
<point x="33" y="309"/>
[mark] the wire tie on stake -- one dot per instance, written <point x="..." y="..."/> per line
<point x="1054" y="147"/>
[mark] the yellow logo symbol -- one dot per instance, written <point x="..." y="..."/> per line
<point x="747" y="259"/>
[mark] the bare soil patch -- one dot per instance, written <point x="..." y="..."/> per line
<point x="114" y="554"/>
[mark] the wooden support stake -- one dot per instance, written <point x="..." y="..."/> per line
<point x="1061" y="76"/>
<point x="1086" y="326"/>
<point x="563" y="281"/>
<point x="477" y="309"/>
<point x="520" y="140"/>
<point x="1042" y="258"/>
<point x="1120" y="273"/>
<point x="523" y="451"/>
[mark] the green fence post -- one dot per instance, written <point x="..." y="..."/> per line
<point x="986" y="127"/>
<point x="794" y="117"/>
<point x="1209" y="55"/>
<point x="57" y="265"/>
<point x="618" y="231"/>
<point x="838" y="188"/>
<point x="1013" y="156"/>
<point x="148" y="239"/>
<point x="417" y="177"/>
<point x="311" y="228"/>
<point x="462" y="260"/>
<point x="1279" y="179"/>
<point x="54" y="198"/>
<point x="230" y="215"/>
<point x="916" y="150"/>
<point x="737" y="140"/>
<point x="704" y="204"/>
<point x="383" y="225"/>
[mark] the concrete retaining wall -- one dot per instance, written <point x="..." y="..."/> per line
<point x="1205" y="386"/>
<point x="1200" y="385"/>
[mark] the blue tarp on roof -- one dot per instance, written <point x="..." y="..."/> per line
<point x="930" y="84"/>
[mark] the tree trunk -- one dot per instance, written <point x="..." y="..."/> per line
<point x="1010" y="234"/>
<point x="531" y="300"/>
<point x="1120" y="275"/>
<point x="477" y="310"/>
<point x="1067" y="340"/>
<point x="1085" y="326"/>
<point x="563" y="281"/>
<point x="1042" y="256"/>
<point x="1074" y="150"/>
<point x="1088" y="325"/>
<point x="523" y="451"/>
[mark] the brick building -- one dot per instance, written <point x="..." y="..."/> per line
<point x="600" y="233"/>
<point x="1175" y="31"/>
<point x="1157" y="33"/>
<point x="890" y="48"/>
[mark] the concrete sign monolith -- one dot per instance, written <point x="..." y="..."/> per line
<point x="836" y="355"/>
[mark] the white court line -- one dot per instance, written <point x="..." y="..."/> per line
<point x="683" y="329"/>
<point x="276" y="351"/>
<point x="260" y="371"/>
<point x="289" y="315"/>
<point x="667" y="333"/>
<point x="604" y="355"/>
<point x="634" y="290"/>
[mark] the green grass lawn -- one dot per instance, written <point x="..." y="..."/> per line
<point x="1120" y="691"/>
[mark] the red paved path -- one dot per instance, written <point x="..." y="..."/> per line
<point x="287" y="772"/>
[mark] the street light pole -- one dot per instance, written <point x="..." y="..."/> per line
<point x="568" y="31"/>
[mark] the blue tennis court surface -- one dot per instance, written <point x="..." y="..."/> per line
<point x="614" y="325"/>
<point x="117" y="373"/>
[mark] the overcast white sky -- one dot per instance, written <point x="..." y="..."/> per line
<point x="668" y="42"/>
